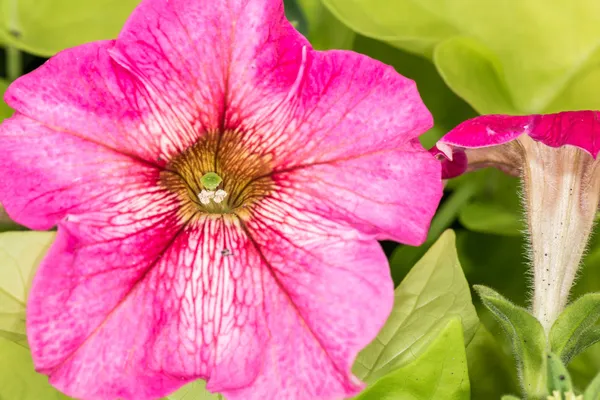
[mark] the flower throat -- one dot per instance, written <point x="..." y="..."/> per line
<point x="217" y="175"/>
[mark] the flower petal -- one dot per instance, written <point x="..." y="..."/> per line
<point x="201" y="55"/>
<point x="479" y="135"/>
<point x="485" y="131"/>
<point x="136" y="316"/>
<point x="82" y="92"/>
<point x="576" y="128"/>
<point x="328" y="291"/>
<point x="390" y="194"/>
<point x="342" y="105"/>
<point x="46" y="174"/>
<point x="452" y="166"/>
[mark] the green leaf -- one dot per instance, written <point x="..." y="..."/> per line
<point x="194" y="391"/>
<point x="491" y="372"/>
<point x="558" y="376"/>
<point x="524" y="55"/>
<point x="593" y="390"/>
<point x="409" y="25"/>
<point x="18" y="379"/>
<point x="440" y="372"/>
<point x="44" y="27"/>
<point x="20" y="254"/>
<point x="433" y="292"/>
<point x="510" y="397"/>
<point x="574" y="330"/>
<point x="462" y="60"/>
<point x="325" y="31"/>
<point x="527" y="337"/>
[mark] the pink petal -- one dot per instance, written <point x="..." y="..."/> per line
<point x="342" y="105"/>
<point x="389" y="194"/>
<point x="327" y="291"/>
<point x="576" y="128"/>
<point x="211" y="61"/>
<point x="485" y="131"/>
<point x="139" y="315"/>
<point x="348" y="127"/>
<point x="452" y="166"/>
<point x="82" y="92"/>
<point x="46" y="174"/>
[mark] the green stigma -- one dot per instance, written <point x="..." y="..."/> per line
<point x="210" y="180"/>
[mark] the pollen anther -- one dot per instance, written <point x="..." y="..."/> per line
<point x="205" y="196"/>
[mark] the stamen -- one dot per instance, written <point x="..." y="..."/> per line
<point x="205" y="196"/>
<point x="219" y="196"/>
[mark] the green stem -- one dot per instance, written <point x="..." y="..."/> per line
<point x="14" y="63"/>
<point x="14" y="60"/>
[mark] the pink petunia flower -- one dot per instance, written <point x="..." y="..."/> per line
<point x="219" y="189"/>
<point x="557" y="157"/>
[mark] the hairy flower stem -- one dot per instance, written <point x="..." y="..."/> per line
<point x="561" y="188"/>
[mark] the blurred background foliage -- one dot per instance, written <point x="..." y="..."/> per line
<point x="467" y="57"/>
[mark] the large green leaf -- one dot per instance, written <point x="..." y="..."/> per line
<point x="522" y="56"/>
<point x="440" y="372"/>
<point x="433" y="292"/>
<point x="44" y="27"/>
<point x="461" y="59"/>
<point x="20" y="254"/>
<point x="18" y="379"/>
<point x="194" y="391"/>
<point x="404" y="23"/>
